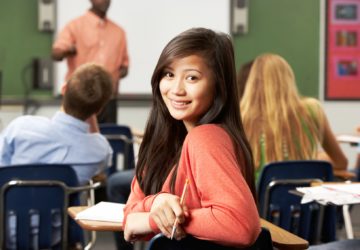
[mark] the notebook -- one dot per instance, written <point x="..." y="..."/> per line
<point x="103" y="211"/>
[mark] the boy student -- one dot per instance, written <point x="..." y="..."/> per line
<point x="71" y="135"/>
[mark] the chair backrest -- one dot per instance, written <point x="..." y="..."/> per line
<point x="121" y="141"/>
<point x="284" y="209"/>
<point x="160" y="242"/>
<point x="33" y="206"/>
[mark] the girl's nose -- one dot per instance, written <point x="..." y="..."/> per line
<point x="178" y="88"/>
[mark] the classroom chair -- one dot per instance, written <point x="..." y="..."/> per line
<point x="33" y="207"/>
<point x="353" y="244"/>
<point x="121" y="141"/>
<point x="281" y="207"/>
<point x="160" y="242"/>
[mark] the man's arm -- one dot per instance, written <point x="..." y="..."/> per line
<point x="123" y="71"/>
<point x="59" y="54"/>
<point x="65" y="44"/>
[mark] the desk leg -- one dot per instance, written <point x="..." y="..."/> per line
<point x="320" y="223"/>
<point x="347" y="222"/>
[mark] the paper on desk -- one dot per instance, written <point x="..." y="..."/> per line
<point x="348" y="138"/>
<point x="347" y="188"/>
<point x="335" y="194"/>
<point x="103" y="211"/>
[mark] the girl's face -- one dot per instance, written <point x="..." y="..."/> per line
<point x="188" y="89"/>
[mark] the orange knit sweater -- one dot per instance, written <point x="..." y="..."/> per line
<point x="221" y="206"/>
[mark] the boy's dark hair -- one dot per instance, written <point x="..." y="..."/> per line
<point x="87" y="91"/>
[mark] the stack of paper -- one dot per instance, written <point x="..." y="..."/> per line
<point x="103" y="211"/>
<point x="338" y="194"/>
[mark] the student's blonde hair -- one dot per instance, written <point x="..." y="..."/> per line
<point x="274" y="112"/>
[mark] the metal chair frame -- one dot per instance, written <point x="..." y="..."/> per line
<point x="37" y="183"/>
<point x="297" y="182"/>
<point x="116" y="132"/>
<point x="293" y="174"/>
<point x="128" y="144"/>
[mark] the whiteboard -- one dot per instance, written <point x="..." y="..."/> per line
<point x="149" y="26"/>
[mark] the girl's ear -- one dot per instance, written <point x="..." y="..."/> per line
<point x="63" y="89"/>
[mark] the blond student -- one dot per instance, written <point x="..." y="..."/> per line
<point x="194" y="133"/>
<point x="279" y="123"/>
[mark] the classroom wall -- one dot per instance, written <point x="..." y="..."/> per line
<point x="289" y="28"/>
<point x="20" y="42"/>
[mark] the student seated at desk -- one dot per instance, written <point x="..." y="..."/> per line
<point x="71" y="135"/>
<point x="194" y="133"/>
<point x="280" y="124"/>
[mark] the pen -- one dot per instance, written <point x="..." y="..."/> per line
<point x="181" y="203"/>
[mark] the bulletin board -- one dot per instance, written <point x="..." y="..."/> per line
<point x="342" y="80"/>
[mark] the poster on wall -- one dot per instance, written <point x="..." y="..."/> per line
<point x="343" y="50"/>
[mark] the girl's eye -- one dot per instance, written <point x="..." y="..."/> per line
<point x="191" y="78"/>
<point x="168" y="74"/>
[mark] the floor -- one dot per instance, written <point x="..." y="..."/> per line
<point x="355" y="219"/>
<point x="105" y="240"/>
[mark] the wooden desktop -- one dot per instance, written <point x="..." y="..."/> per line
<point x="281" y="238"/>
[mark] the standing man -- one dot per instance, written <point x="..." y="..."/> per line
<point x="92" y="37"/>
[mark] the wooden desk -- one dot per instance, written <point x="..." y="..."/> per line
<point x="281" y="238"/>
<point x="344" y="174"/>
<point x="92" y="225"/>
<point x="315" y="184"/>
<point x="136" y="132"/>
<point x="353" y="140"/>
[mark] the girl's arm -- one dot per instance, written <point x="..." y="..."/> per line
<point x="227" y="213"/>
<point x="137" y="226"/>
<point x="141" y="211"/>
<point x="334" y="154"/>
<point x="164" y="211"/>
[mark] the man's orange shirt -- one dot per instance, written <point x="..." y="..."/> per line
<point x="96" y="40"/>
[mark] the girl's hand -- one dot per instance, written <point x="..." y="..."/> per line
<point x="165" y="209"/>
<point x="137" y="225"/>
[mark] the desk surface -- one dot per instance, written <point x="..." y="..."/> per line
<point x="281" y="238"/>
<point x="92" y="225"/>
<point x="353" y="140"/>
<point x="344" y="174"/>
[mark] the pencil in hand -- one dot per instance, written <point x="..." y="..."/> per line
<point x="182" y="199"/>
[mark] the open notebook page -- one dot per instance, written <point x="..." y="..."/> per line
<point x="103" y="211"/>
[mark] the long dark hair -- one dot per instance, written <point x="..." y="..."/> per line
<point x="164" y="136"/>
